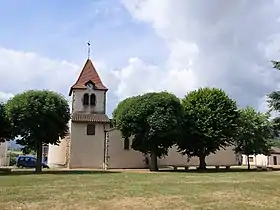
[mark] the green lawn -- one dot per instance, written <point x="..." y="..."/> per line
<point x="134" y="190"/>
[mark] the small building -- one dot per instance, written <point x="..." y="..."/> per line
<point x="255" y="160"/>
<point x="274" y="157"/>
<point x="263" y="160"/>
<point x="92" y="143"/>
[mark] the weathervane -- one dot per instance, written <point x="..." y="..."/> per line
<point x="88" y="48"/>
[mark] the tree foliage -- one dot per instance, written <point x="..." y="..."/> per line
<point x="38" y="117"/>
<point x="254" y="134"/>
<point x="276" y="64"/>
<point x="274" y="105"/>
<point x="210" y="123"/>
<point x="5" y="126"/>
<point x="274" y="101"/>
<point x="125" y="113"/>
<point x="152" y="121"/>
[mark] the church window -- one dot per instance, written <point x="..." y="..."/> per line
<point x="126" y="143"/>
<point x="86" y="99"/>
<point x="90" y="129"/>
<point x="92" y="99"/>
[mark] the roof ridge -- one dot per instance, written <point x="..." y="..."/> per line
<point x="88" y="73"/>
<point x="81" y="72"/>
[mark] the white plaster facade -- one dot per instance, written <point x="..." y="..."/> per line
<point x="262" y="160"/>
<point x="222" y="157"/>
<point x="87" y="151"/>
<point x="118" y="157"/>
<point x="77" y="101"/>
<point x="57" y="154"/>
<point x="4" y="154"/>
<point x="105" y="149"/>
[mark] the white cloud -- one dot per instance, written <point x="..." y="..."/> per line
<point x="20" y="71"/>
<point x="138" y="77"/>
<point x="227" y="44"/>
<point x="5" y="96"/>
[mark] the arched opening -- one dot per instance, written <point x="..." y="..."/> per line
<point x="86" y="99"/>
<point x="126" y="143"/>
<point x="92" y="99"/>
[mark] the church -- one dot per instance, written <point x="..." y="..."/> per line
<point x="92" y="142"/>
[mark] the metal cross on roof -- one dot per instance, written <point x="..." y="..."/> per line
<point x="88" y="48"/>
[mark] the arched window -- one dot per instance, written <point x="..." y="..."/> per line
<point x="126" y="143"/>
<point x="86" y="99"/>
<point x="92" y="99"/>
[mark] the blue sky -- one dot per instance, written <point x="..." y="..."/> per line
<point x="60" y="30"/>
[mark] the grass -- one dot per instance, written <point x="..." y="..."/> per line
<point x="58" y="190"/>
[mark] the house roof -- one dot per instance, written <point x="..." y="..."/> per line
<point x="111" y="129"/>
<point x="275" y="150"/>
<point x="85" y="117"/>
<point x="87" y="74"/>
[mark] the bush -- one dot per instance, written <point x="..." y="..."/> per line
<point x="13" y="158"/>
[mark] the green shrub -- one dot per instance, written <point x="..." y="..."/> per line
<point x="13" y="158"/>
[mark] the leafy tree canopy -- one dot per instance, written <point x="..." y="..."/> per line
<point x="210" y="122"/>
<point x="38" y="117"/>
<point x="152" y="120"/>
<point x="5" y="126"/>
<point x="124" y="113"/>
<point x="274" y="105"/>
<point x="276" y="64"/>
<point x="255" y="133"/>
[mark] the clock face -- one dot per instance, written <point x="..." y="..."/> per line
<point x="90" y="85"/>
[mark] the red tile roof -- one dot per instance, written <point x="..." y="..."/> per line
<point x="85" y="117"/>
<point x="88" y="73"/>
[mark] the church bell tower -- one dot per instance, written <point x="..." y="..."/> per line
<point x="88" y="93"/>
<point x="88" y="119"/>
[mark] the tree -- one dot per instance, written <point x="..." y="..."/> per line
<point x="38" y="117"/>
<point x="274" y="105"/>
<point x="275" y="126"/>
<point x="276" y="64"/>
<point x="5" y="126"/>
<point x="210" y="122"/>
<point x="122" y="113"/>
<point x="254" y="134"/>
<point x="153" y="122"/>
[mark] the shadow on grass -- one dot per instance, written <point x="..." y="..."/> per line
<point x="55" y="172"/>
<point x="222" y="170"/>
<point x="17" y="172"/>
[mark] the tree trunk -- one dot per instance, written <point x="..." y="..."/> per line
<point x="202" y="163"/>
<point x="248" y="162"/>
<point x="153" y="162"/>
<point x="39" y="152"/>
